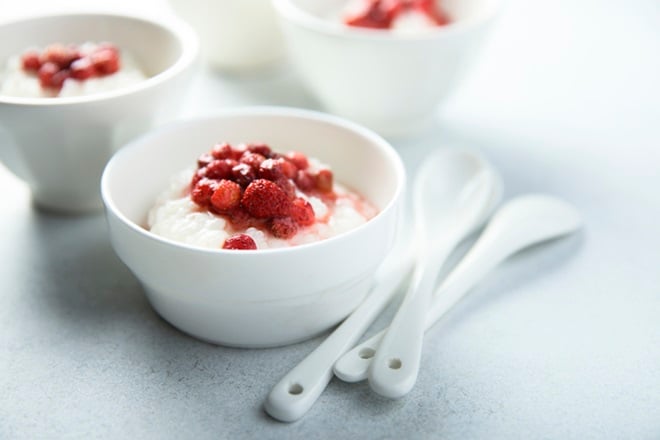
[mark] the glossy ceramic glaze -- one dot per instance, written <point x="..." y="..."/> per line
<point x="386" y="81"/>
<point x="264" y="297"/>
<point x="60" y="145"/>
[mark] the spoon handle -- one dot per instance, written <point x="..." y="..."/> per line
<point x="394" y="368"/>
<point x="494" y="245"/>
<point x="297" y="391"/>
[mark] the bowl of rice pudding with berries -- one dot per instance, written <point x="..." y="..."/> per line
<point x="256" y="227"/>
<point x="387" y="64"/>
<point x="75" y="87"/>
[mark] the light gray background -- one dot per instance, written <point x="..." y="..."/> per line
<point x="562" y="342"/>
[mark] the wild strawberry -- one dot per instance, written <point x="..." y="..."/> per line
<point x="432" y="10"/>
<point x="376" y="14"/>
<point x="270" y="169"/>
<point x="240" y="219"/>
<point x="262" y="149"/>
<point x="197" y="176"/>
<point x="227" y="196"/>
<point x="105" y="61"/>
<point x="220" y="169"/>
<point x="240" y="242"/>
<point x="298" y="159"/>
<point x="60" y="55"/>
<point x="287" y="186"/>
<point x="202" y="192"/>
<point x="323" y="180"/>
<point x="288" y="168"/>
<point x="274" y="169"/>
<point x="305" y="181"/>
<point x="82" y="69"/>
<point x="46" y="72"/>
<point x="58" y="78"/>
<point x="283" y="227"/>
<point x="30" y="61"/>
<point x="302" y="212"/>
<point x="243" y="174"/>
<point x="252" y="159"/>
<point x="204" y="160"/>
<point x="264" y="199"/>
<point x="223" y="151"/>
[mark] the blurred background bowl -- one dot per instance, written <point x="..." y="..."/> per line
<point x="59" y="146"/>
<point x="236" y="35"/>
<point x="389" y="81"/>
<point x="264" y="297"/>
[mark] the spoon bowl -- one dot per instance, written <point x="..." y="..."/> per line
<point x="454" y="192"/>
<point x="522" y="222"/>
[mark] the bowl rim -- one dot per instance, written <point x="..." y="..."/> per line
<point x="385" y="146"/>
<point x="176" y="27"/>
<point x="299" y="16"/>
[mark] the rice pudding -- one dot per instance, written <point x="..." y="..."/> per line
<point x="60" y="70"/>
<point x="251" y="197"/>
<point x="403" y="16"/>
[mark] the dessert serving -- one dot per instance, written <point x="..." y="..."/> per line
<point x="250" y="197"/>
<point x="398" y="15"/>
<point x="62" y="70"/>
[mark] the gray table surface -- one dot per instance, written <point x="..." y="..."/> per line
<point x="562" y="341"/>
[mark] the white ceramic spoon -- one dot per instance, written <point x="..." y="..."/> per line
<point x="452" y="192"/>
<point x="297" y="391"/>
<point x="520" y="223"/>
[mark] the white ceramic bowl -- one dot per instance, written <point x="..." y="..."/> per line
<point x="62" y="144"/>
<point x="265" y="297"/>
<point x="391" y="82"/>
<point x="236" y="35"/>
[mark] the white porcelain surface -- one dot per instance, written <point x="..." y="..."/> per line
<point x="454" y="194"/>
<point x="256" y="298"/>
<point x="235" y="34"/>
<point x="62" y="144"/>
<point x="522" y="222"/>
<point x="391" y="83"/>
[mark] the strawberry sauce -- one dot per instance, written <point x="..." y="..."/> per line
<point x="58" y="62"/>
<point x="381" y="14"/>
<point x="250" y="185"/>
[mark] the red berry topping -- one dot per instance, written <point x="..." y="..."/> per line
<point x="240" y="242"/>
<point x="223" y="151"/>
<point x="30" y="61"/>
<point x="82" y="69"/>
<point x="305" y="181"/>
<point x="264" y="199"/>
<point x="105" y="60"/>
<point x="324" y="181"/>
<point x="287" y="186"/>
<point x="431" y="10"/>
<point x="220" y="169"/>
<point x="58" y="62"/>
<point x="298" y="159"/>
<point x="226" y="197"/>
<point x="243" y="174"/>
<point x="302" y="212"/>
<point x="273" y="169"/>
<point x="381" y="14"/>
<point x="46" y="72"/>
<point x="58" y="78"/>
<point x="375" y="14"/>
<point x="60" y="54"/>
<point x="253" y="186"/>
<point x="252" y="159"/>
<point x="204" y="160"/>
<point x="240" y="219"/>
<point x="283" y="227"/>
<point x="202" y="192"/>
<point x="262" y="149"/>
